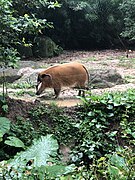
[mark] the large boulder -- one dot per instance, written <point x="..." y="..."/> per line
<point x="44" y="47"/>
<point x="25" y="51"/>
<point x="28" y="75"/>
<point x="105" y="78"/>
<point x="10" y="75"/>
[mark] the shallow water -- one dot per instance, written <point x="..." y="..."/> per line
<point x="64" y="102"/>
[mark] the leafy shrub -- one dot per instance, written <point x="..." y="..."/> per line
<point x="9" y="143"/>
<point x="116" y="165"/>
<point x="105" y="122"/>
<point x="24" y="129"/>
<point x="121" y="164"/>
<point x="8" y="57"/>
<point x="3" y="105"/>
<point x="128" y="8"/>
<point x="102" y="136"/>
<point x="52" y="119"/>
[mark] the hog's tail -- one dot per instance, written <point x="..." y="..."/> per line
<point x="88" y="77"/>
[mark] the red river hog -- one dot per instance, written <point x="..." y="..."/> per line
<point x="64" y="75"/>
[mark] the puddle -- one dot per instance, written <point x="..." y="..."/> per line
<point x="64" y="102"/>
<point x="67" y="98"/>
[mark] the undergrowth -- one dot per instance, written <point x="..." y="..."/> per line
<point x="106" y="122"/>
<point x="52" y="119"/>
<point x="101" y="136"/>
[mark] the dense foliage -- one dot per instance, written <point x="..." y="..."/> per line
<point x="87" y="24"/>
<point x="128" y="8"/>
<point x="91" y="24"/>
<point x="16" y="27"/>
<point x="19" y="26"/>
<point x="105" y="121"/>
<point x="101" y="136"/>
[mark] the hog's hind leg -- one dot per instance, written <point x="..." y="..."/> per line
<point x="81" y="92"/>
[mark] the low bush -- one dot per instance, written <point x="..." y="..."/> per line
<point x="106" y="122"/>
<point x="101" y="138"/>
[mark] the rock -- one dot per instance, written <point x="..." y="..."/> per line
<point x="28" y="75"/>
<point x="26" y="70"/>
<point x="25" y="51"/>
<point x="43" y="47"/>
<point x="105" y="78"/>
<point x="11" y="75"/>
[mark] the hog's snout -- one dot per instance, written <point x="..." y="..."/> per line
<point x="38" y="86"/>
<point x="37" y="93"/>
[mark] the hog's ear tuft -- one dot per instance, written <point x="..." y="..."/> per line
<point x="46" y="76"/>
<point x="43" y="75"/>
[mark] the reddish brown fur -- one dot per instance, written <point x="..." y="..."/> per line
<point x="65" y="75"/>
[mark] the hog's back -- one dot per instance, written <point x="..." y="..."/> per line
<point x="68" y="74"/>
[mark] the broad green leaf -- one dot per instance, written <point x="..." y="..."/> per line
<point x="90" y="113"/>
<point x="110" y="106"/>
<point x="4" y="125"/>
<point x="58" y="170"/>
<point x="98" y="126"/>
<point x="110" y="114"/>
<point x="1" y="135"/>
<point x="14" y="141"/>
<point x="118" y="162"/>
<point x="133" y="134"/>
<point x="39" y="152"/>
<point x="116" y="104"/>
<point x="113" y="171"/>
<point x="112" y="134"/>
